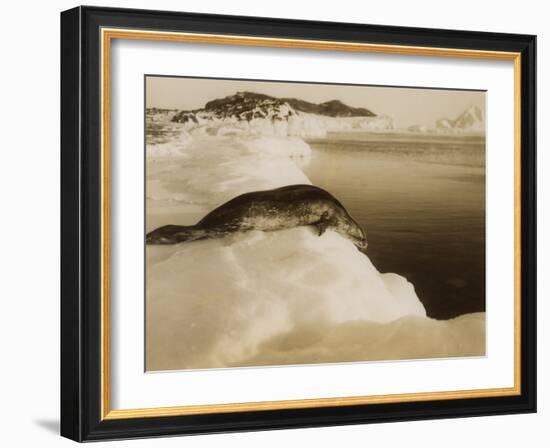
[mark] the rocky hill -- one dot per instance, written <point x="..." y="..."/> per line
<point x="257" y="113"/>
<point x="249" y="105"/>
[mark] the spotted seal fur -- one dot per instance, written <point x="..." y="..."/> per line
<point x="268" y="210"/>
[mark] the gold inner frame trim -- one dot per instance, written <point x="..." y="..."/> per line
<point x="107" y="35"/>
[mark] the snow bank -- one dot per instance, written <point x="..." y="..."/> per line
<point x="278" y="147"/>
<point x="177" y="147"/>
<point x="256" y="145"/>
<point x="410" y="337"/>
<point x="228" y="297"/>
<point x="213" y="170"/>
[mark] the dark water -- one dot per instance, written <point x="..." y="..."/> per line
<point x="421" y="200"/>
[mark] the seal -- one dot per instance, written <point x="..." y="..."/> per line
<point x="268" y="210"/>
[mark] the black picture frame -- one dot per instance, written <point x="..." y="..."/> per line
<point x="81" y="208"/>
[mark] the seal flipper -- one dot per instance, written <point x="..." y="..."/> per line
<point x="323" y="223"/>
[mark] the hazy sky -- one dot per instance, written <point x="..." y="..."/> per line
<point x="407" y="106"/>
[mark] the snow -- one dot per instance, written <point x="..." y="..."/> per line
<point x="230" y="296"/>
<point x="469" y="121"/>
<point x="175" y="148"/>
<point x="410" y="337"/>
<point x="418" y="128"/>
<point x="277" y="147"/>
<point x="266" y="298"/>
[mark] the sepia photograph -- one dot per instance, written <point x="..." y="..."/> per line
<point x="282" y="223"/>
<point x="291" y="223"/>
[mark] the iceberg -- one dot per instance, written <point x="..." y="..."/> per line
<point x="471" y="121"/>
<point x="227" y="297"/>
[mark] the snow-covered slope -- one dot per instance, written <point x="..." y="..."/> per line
<point x="256" y="114"/>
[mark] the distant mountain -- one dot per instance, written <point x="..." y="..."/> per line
<point x="246" y="106"/>
<point x="259" y="114"/>
<point x="334" y="108"/>
<point x="471" y="120"/>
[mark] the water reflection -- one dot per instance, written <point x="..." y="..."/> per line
<point x="422" y="202"/>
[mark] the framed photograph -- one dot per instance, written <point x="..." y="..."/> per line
<point x="276" y="224"/>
